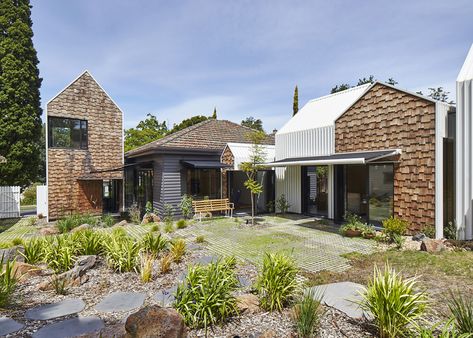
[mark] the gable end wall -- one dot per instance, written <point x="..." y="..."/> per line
<point x="385" y="118"/>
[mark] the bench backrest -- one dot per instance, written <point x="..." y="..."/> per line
<point x="211" y="205"/>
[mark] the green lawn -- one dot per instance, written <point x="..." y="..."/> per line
<point x="21" y="228"/>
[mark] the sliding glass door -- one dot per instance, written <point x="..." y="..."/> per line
<point x="381" y="192"/>
<point x="315" y="190"/>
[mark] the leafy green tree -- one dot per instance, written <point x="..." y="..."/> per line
<point x="339" y="88"/>
<point x="439" y="94"/>
<point x="251" y="168"/>
<point x="189" y="122"/>
<point x="253" y="123"/>
<point x="146" y="131"/>
<point x="295" y="102"/>
<point x="20" y="107"/>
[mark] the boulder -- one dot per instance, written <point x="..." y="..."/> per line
<point x="248" y="303"/>
<point x="81" y="227"/>
<point x="25" y="270"/>
<point x="150" y="218"/>
<point x="13" y="253"/>
<point x="432" y="245"/>
<point x="419" y="237"/>
<point x="49" y="230"/>
<point x="121" y="223"/>
<point x="155" y="321"/>
<point x="76" y="276"/>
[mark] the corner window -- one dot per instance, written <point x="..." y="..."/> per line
<point x="67" y="133"/>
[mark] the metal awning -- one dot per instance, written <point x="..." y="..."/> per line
<point x="205" y="164"/>
<point x="362" y="157"/>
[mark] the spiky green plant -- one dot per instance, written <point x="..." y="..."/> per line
<point x="461" y="307"/>
<point x="448" y="331"/>
<point x="146" y="267"/>
<point x="154" y="244"/>
<point x="276" y="283"/>
<point x="89" y="242"/>
<point x="8" y="280"/>
<point x="60" y="284"/>
<point x="70" y="222"/>
<point x="33" y="251"/>
<point x="181" y="224"/>
<point x="122" y="253"/>
<point x="59" y="254"/>
<point x="108" y="220"/>
<point x="307" y="313"/>
<point x="178" y="249"/>
<point x="393" y="302"/>
<point x="206" y="297"/>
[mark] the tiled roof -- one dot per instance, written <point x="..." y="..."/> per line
<point x="211" y="135"/>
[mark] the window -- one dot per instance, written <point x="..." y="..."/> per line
<point x="67" y="133"/>
<point x="203" y="183"/>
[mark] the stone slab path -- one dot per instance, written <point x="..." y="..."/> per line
<point x="55" y="310"/>
<point x="70" y="328"/>
<point x="166" y="297"/>
<point x="121" y="301"/>
<point x="204" y="260"/>
<point x="8" y="326"/>
<point x="341" y="296"/>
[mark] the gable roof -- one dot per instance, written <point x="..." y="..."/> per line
<point x="242" y="152"/>
<point x="323" y="111"/>
<point x="466" y="73"/>
<point x="210" y="135"/>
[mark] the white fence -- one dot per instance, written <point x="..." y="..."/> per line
<point x="42" y="200"/>
<point x="9" y="202"/>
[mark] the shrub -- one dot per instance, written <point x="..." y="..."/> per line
<point x="461" y="308"/>
<point x="307" y="314"/>
<point x="8" y="280"/>
<point x="89" y="242"/>
<point x="155" y="228"/>
<point x="282" y="204"/>
<point x="450" y="231"/>
<point x="394" y="226"/>
<point x="181" y="224"/>
<point x="118" y="232"/>
<point x="33" y="251"/>
<point x="60" y="284"/>
<point x="121" y="253"/>
<point x="17" y="241"/>
<point x="392" y="302"/>
<point x="168" y="214"/>
<point x="108" y="220"/>
<point x="168" y="228"/>
<point x="134" y="213"/>
<point x="206" y="297"/>
<point x="29" y="195"/>
<point x="165" y="263"/>
<point x="200" y="239"/>
<point x="59" y="254"/>
<point x="146" y="267"/>
<point x="429" y="231"/>
<point x="398" y="240"/>
<point x="149" y="207"/>
<point x="276" y="283"/>
<point x="68" y="223"/>
<point x="270" y="206"/>
<point x="153" y="245"/>
<point x="178" y="249"/>
<point x="186" y="206"/>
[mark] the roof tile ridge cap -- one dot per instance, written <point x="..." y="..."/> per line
<point x="366" y="85"/>
<point x="173" y="136"/>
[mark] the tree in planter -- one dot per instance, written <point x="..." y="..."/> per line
<point x="251" y="168"/>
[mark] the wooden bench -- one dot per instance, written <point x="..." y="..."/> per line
<point x="209" y="206"/>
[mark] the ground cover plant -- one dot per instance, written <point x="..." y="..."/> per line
<point x="121" y="253"/>
<point x="276" y="284"/>
<point x="33" y="251"/>
<point x="461" y="308"/>
<point x="206" y="297"/>
<point x="178" y="249"/>
<point x="154" y="244"/>
<point x="70" y="222"/>
<point x="59" y="253"/>
<point x="307" y="314"/>
<point x="8" y="280"/>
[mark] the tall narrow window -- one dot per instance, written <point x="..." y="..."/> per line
<point x="67" y="133"/>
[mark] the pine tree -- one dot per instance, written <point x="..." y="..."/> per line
<point x="20" y="108"/>
<point x="295" y="103"/>
<point x="214" y="115"/>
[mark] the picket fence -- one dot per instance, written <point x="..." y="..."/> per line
<point x="9" y="202"/>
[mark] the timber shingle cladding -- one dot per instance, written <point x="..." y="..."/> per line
<point x="385" y="118"/>
<point x="72" y="185"/>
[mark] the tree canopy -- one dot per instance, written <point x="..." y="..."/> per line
<point x="439" y="94"/>
<point x="253" y="123"/>
<point x="20" y="108"/>
<point x="146" y="131"/>
<point x="361" y="81"/>
<point x="190" y="122"/>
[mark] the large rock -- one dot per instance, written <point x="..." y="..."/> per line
<point x="155" y="321"/>
<point x="248" y="303"/>
<point x="49" y="230"/>
<point x="76" y="276"/>
<point x="25" y="270"/>
<point x="150" y="218"/>
<point x="13" y="253"/>
<point x="432" y="245"/>
<point x="121" y="223"/>
<point x="81" y="227"/>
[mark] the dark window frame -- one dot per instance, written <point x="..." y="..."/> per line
<point x="83" y="144"/>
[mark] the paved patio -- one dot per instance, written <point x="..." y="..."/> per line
<point x="312" y="248"/>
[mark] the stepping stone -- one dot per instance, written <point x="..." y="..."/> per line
<point x="121" y="301"/>
<point x="341" y="296"/>
<point x="55" y="310"/>
<point x="70" y="328"/>
<point x="166" y="297"/>
<point x="8" y="325"/>
<point x="204" y="260"/>
<point x="244" y="282"/>
<point x="193" y="246"/>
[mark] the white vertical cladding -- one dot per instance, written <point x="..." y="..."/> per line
<point x="464" y="165"/>
<point x="305" y="143"/>
<point x="288" y="182"/>
<point x="441" y="115"/>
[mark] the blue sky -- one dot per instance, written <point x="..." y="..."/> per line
<point x="176" y="59"/>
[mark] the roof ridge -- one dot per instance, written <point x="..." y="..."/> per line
<point x="173" y="136"/>
<point x="366" y="85"/>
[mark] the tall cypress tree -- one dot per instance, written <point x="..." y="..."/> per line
<point x="295" y="103"/>
<point x="20" y="108"/>
<point x="214" y="115"/>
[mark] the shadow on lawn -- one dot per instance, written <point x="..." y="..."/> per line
<point x="7" y="223"/>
